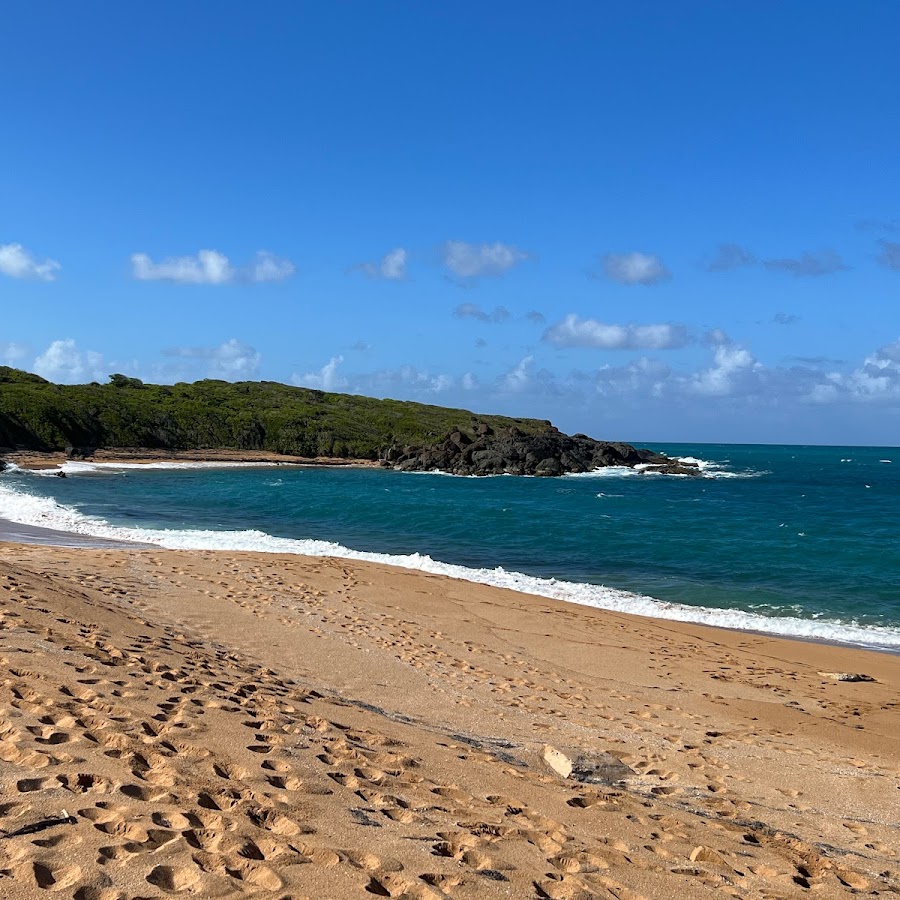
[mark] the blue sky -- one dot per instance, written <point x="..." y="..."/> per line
<point x="645" y="221"/>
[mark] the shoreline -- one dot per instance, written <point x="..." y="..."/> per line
<point x="216" y="721"/>
<point x="583" y="594"/>
<point x="516" y="582"/>
<point x="38" y="460"/>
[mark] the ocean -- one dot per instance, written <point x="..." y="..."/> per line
<point x="789" y="540"/>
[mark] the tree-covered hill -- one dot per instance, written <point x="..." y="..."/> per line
<point x="38" y="415"/>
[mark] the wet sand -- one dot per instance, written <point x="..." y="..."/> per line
<point x="238" y="724"/>
<point x="15" y="533"/>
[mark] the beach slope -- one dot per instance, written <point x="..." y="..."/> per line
<point x="216" y="725"/>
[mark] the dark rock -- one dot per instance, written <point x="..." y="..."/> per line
<point x="673" y="469"/>
<point x="549" y="466"/>
<point x="79" y="452"/>
<point x="600" y="768"/>
<point x="516" y="452"/>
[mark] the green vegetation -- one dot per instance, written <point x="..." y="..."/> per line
<point x="249" y="415"/>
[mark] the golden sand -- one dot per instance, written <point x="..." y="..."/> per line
<point x="233" y="724"/>
<point x="36" y="459"/>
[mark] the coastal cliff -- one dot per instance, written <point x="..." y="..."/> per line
<point x="127" y="415"/>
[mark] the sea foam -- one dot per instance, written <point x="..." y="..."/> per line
<point x="29" y="509"/>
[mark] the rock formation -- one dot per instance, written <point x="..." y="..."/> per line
<point x="510" y="451"/>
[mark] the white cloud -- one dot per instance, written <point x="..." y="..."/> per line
<point x="268" y="267"/>
<point x="877" y="378"/>
<point x="231" y="361"/>
<point x="573" y="331"/>
<point x="405" y="380"/>
<point x="391" y="266"/>
<point x="210" y="267"/>
<point x="716" y="336"/>
<point x="635" y="268"/>
<point x="641" y="377"/>
<point x="63" y="362"/>
<point x="729" y="361"/>
<point x="17" y="262"/>
<point x="12" y="353"/>
<point x="207" y="267"/>
<point x="518" y="378"/>
<point x="479" y="260"/>
<point x="326" y="379"/>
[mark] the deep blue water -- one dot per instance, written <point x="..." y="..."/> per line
<point x="808" y="533"/>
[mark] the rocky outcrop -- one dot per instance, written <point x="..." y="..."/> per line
<point x="80" y="452"/>
<point x="514" y="452"/>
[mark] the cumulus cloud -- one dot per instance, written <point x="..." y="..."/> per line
<point x="735" y="374"/>
<point x="210" y="267"/>
<point x="480" y="260"/>
<point x="731" y="380"/>
<point x="12" y="353"/>
<point x="730" y="256"/>
<point x="267" y="267"/>
<point x="808" y="264"/>
<point x="405" y="380"/>
<point x="783" y="318"/>
<point x="518" y="378"/>
<point x="64" y="362"/>
<point x="641" y="377"/>
<point x="729" y="363"/>
<point x="474" y="311"/>
<point x="231" y="361"/>
<point x="890" y="255"/>
<point x="326" y="379"/>
<point x="391" y="266"/>
<point x="17" y="262"/>
<point x="877" y="379"/>
<point x="536" y="317"/>
<point x="714" y="337"/>
<point x="635" y="268"/>
<point x="573" y="331"/>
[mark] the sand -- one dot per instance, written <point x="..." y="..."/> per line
<point x="35" y="459"/>
<point x="228" y="725"/>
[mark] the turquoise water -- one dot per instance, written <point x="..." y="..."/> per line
<point x="794" y="540"/>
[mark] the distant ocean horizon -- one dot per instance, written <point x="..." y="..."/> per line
<point x="793" y="540"/>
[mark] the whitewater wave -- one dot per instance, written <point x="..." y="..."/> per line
<point x="72" y="467"/>
<point x="708" y="469"/>
<point x="78" y="467"/>
<point x="29" y="509"/>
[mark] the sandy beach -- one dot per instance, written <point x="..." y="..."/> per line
<point x="219" y="725"/>
<point x="35" y="459"/>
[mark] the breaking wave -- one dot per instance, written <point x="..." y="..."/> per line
<point x="29" y="509"/>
